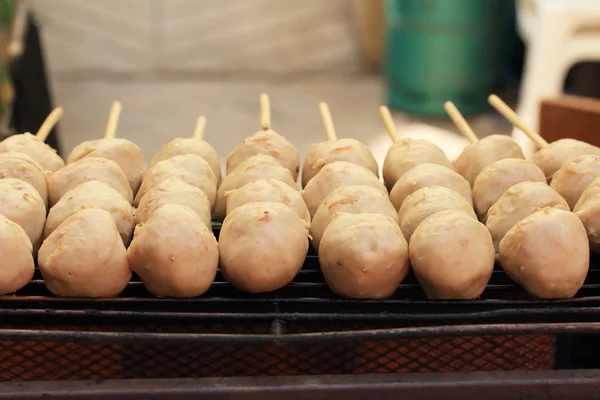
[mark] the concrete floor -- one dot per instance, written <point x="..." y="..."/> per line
<point x="156" y="111"/>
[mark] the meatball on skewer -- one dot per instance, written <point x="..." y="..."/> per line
<point x="126" y="154"/>
<point x="34" y="146"/>
<point x="406" y="153"/>
<point x="551" y="156"/>
<point x="334" y="149"/>
<point x="191" y="145"/>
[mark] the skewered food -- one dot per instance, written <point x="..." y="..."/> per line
<point x="452" y="255"/>
<point x="17" y="261"/>
<point x="190" y="168"/>
<point x="406" y="153"/>
<point x="21" y="166"/>
<point x="93" y="194"/>
<point x="345" y="149"/>
<point x="173" y="191"/>
<point x="334" y="149"/>
<point x="34" y="146"/>
<point x="574" y="177"/>
<point x="262" y="246"/>
<point x="497" y="178"/>
<point x="85" y="257"/>
<point x="270" y="190"/>
<point x="588" y="210"/>
<point x="518" y="202"/>
<point x="490" y="149"/>
<point x="353" y="199"/>
<point x="363" y="256"/>
<point x="194" y="145"/>
<point x="259" y="166"/>
<point x="427" y="201"/>
<point x="125" y="153"/>
<point x="480" y="153"/>
<point x="266" y="142"/>
<point x="168" y="265"/>
<point x="426" y="175"/>
<point x="547" y="253"/>
<point x="551" y="156"/>
<point x="22" y="204"/>
<point x="85" y="170"/>
<point x="334" y="175"/>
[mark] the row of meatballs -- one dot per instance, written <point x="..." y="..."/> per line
<point x="365" y="238"/>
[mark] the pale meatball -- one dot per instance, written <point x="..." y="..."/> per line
<point x="180" y="146"/>
<point x="125" y="153"/>
<point x="85" y="257"/>
<point x="26" y="143"/>
<point x="190" y="168"/>
<point x="268" y="143"/>
<point x="547" y="253"/>
<point x="430" y="200"/>
<point x="270" y="190"/>
<point x="476" y="156"/>
<point x="17" y="260"/>
<point x="85" y="170"/>
<point x="174" y="253"/>
<point x="334" y="175"/>
<point x="262" y="246"/>
<point x="588" y="210"/>
<point x="426" y="175"/>
<point x="497" y="178"/>
<point x="407" y="153"/>
<point x="363" y="256"/>
<point x="323" y="153"/>
<point x="93" y="194"/>
<point x="23" y="167"/>
<point x="22" y="204"/>
<point x="452" y="256"/>
<point x="518" y="202"/>
<point x="574" y="176"/>
<point x="259" y="166"/>
<point x="552" y="157"/>
<point x="354" y="199"/>
<point x="173" y="191"/>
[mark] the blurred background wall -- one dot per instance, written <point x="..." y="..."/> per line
<point x="199" y="37"/>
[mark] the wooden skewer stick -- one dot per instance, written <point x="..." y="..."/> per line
<point x="327" y="121"/>
<point x="113" y="120"/>
<point x="514" y="119"/>
<point x="48" y="124"/>
<point x="265" y="112"/>
<point x="460" y="122"/>
<point x="388" y="121"/>
<point x="200" y="125"/>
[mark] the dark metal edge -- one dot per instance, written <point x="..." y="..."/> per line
<point x="532" y="385"/>
<point x="320" y="337"/>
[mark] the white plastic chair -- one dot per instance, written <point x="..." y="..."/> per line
<point x="558" y="34"/>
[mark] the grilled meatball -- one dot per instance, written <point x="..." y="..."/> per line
<point x="85" y="257"/>
<point x="547" y="253"/>
<point x="323" y="153"/>
<point x="125" y="153"/>
<point x="262" y="246"/>
<point x="452" y="255"/>
<point x="174" y="253"/>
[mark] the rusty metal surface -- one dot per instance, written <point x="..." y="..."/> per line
<point x="530" y="385"/>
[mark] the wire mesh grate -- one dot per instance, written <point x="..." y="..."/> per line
<point x="70" y="360"/>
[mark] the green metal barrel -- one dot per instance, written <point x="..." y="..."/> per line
<point x="438" y="50"/>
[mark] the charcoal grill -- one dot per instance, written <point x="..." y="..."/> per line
<point x="301" y="329"/>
